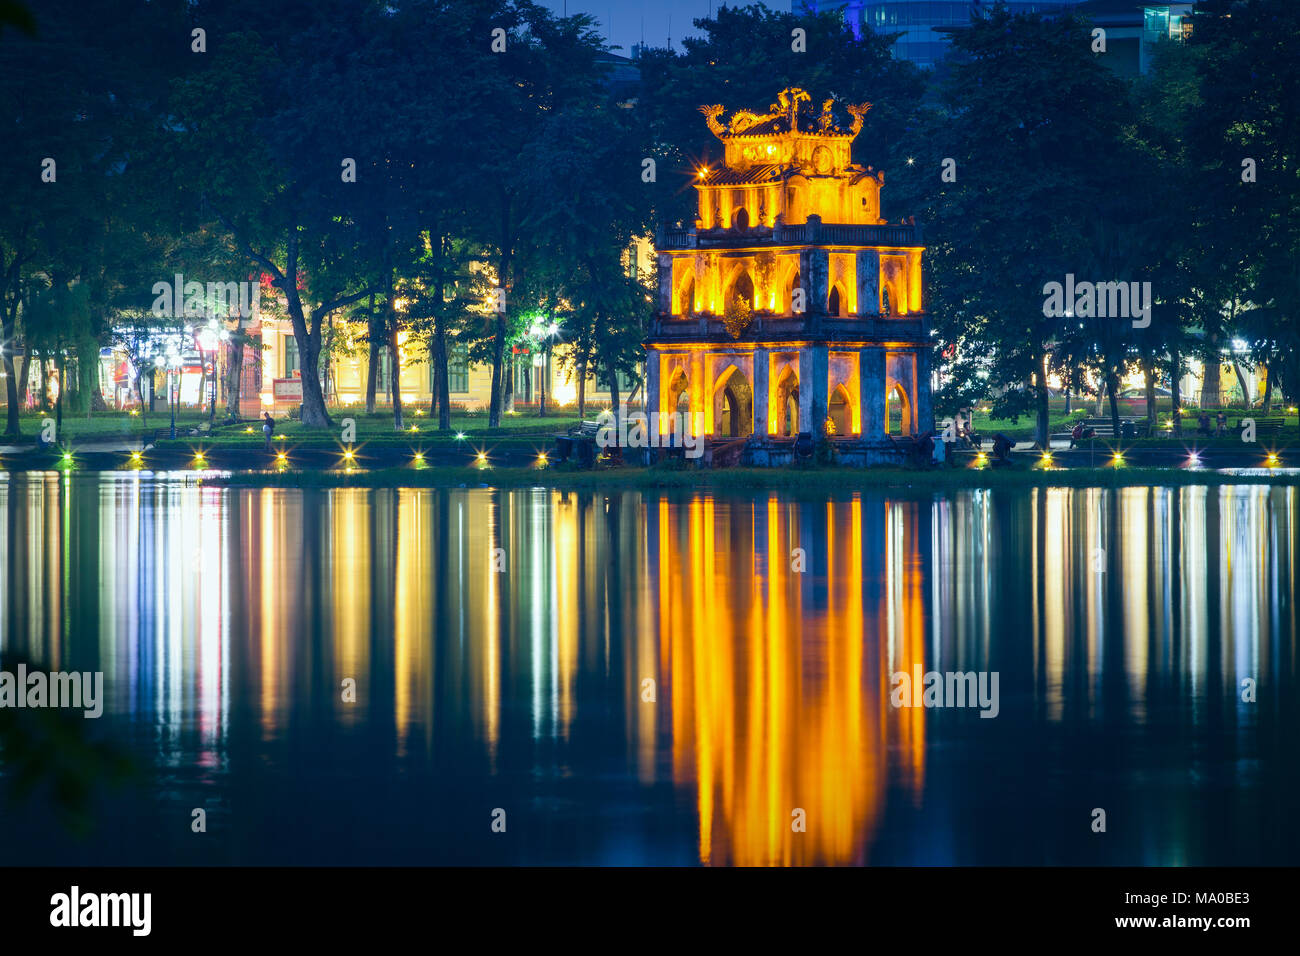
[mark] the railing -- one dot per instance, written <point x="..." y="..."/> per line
<point x="823" y="234"/>
<point x="766" y="324"/>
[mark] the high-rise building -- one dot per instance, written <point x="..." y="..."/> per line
<point x="1132" y="27"/>
<point x="917" y="20"/>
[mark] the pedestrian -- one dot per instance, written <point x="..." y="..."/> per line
<point x="268" y="428"/>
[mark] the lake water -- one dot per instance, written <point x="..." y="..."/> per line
<point x="631" y="677"/>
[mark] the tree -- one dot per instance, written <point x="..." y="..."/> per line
<point x="1245" y="135"/>
<point x="280" y="188"/>
<point x="1034" y="124"/>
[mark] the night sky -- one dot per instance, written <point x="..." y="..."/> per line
<point x="622" y="20"/>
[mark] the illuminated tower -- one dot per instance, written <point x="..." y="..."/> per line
<point x="791" y="307"/>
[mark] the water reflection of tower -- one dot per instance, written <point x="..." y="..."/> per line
<point x="778" y="678"/>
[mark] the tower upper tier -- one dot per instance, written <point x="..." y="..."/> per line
<point x="790" y="162"/>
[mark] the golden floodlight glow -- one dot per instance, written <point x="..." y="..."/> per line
<point x="348" y="454"/>
<point x="1118" y="459"/>
<point x="1272" y="458"/>
<point x="541" y="458"/>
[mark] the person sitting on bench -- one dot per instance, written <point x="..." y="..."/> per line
<point x="970" y="438"/>
<point x="1203" y="424"/>
<point x="1001" y="448"/>
<point x="1080" y="434"/>
<point x="1222" y="424"/>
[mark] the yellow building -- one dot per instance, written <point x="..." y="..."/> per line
<point x="791" y="306"/>
<point x="469" y="383"/>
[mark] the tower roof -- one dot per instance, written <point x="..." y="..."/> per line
<point x="792" y="113"/>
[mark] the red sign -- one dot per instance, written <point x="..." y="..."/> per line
<point x="287" y="389"/>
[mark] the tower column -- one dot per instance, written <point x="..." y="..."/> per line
<point x="820" y="388"/>
<point x="871" y="389"/>
<point x="762" y="366"/>
<point x="651" y="402"/>
<point x="699" y="393"/>
<point x="868" y="275"/>
<point x="924" y="405"/>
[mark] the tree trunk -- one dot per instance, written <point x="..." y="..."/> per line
<point x="24" y="377"/>
<point x="314" y="414"/>
<point x="441" y="384"/>
<point x="1112" y="393"/>
<point x="582" y="387"/>
<point x="499" y="371"/>
<point x="546" y="378"/>
<point x="235" y="377"/>
<point x="1268" y="387"/>
<point x="58" y="401"/>
<point x="1044" y="410"/>
<point x="372" y="364"/>
<point x="1210" y="378"/>
<point x="395" y="366"/>
<point x="139" y="387"/>
<point x="1149" y="380"/>
<point x="13" y="425"/>
<point x="1241" y="380"/>
<point x="1175" y="365"/>
<point x="614" y="398"/>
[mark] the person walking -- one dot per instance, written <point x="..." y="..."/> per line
<point x="268" y="428"/>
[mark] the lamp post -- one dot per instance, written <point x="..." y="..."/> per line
<point x="173" y="362"/>
<point x="544" y="334"/>
<point x="207" y="340"/>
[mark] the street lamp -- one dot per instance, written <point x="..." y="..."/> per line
<point x="173" y="361"/>
<point x="543" y="334"/>
<point x="208" y="344"/>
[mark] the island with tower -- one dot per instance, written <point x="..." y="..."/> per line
<point x="790" y="313"/>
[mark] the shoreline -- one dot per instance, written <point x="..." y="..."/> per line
<point x="821" y="481"/>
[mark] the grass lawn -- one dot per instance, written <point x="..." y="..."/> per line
<point x="110" y="426"/>
<point x="815" y="481"/>
<point x="1023" y="429"/>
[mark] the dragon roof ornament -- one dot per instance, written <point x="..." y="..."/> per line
<point x="785" y="115"/>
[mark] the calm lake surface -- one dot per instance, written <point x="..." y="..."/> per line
<point x="1121" y="624"/>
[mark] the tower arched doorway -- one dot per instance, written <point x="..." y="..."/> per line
<point x="743" y="288"/>
<point x="898" y="410"/>
<point x="839" y="411"/>
<point x="787" y="404"/>
<point x="733" y="405"/>
<point x="677" y="401"/>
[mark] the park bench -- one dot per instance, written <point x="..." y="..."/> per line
<point x="1271" y="427"/>
<point x="1130" y="427"/>
<point x="578" y="442"/>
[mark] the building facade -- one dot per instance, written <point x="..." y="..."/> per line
<point x="919" y="23"/>
<point x="791" y="307"/>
